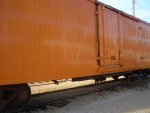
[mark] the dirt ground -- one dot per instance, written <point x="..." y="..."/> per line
<point x="118" y="100"/>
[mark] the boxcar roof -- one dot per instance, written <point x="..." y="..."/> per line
<point x="121" y="12"/>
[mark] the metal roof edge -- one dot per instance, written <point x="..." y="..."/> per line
<point x="122" y="12"/>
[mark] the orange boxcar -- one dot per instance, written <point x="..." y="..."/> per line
<point x="43" y="40"/>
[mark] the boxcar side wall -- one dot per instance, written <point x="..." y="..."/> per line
<point x="135" y="37"/>
<point x="44" y="40"/>
<point x="124" y="41"/>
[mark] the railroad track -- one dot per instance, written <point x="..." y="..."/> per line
<point x="62" y="98"/>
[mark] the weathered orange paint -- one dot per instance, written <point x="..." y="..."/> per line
<point x="44" y="40"/>
<point x="123" y="46"/>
